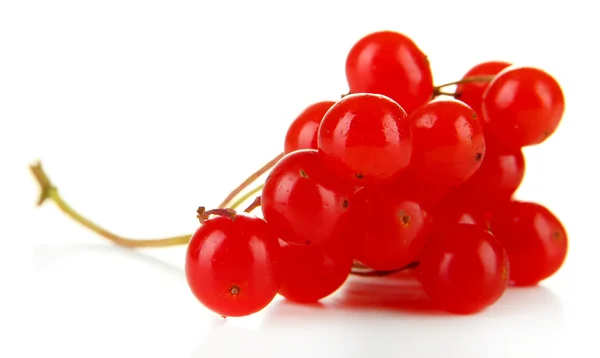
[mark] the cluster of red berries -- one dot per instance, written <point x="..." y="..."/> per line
<point x="397" y="174"/>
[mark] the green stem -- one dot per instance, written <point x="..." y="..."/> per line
<point x="49" y="192"/>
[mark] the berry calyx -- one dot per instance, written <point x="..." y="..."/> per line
<point x="233" y="264"/>
<point x="366" y="139"/>
<point x="463" y="269"/>
<point x="448" y="143"/>
<point x="302" y="202"/>
<point x="534" y="238"/>
<point x="391" y="64"/>
<point x="523" y="106"/>
<point x="302" y="133"/>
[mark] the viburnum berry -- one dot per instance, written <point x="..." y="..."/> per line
<point x="471" y="92"/>
<point x="366" y="139"/>
<point x="463" y="268"/>
<point x="233" y="264"/>
<point x="499" y="176"/>
<point x="448" y="142"/>
<point x="389" y="227"/>
<point x="302" y="133"/>
<point x="523" y="106"/>
<point x="314" y="272"/>
<point x="534" y="238"/>
<point x="390" y="63"/>
<point x="450" y="212"/>
<point x="302" y="202"/>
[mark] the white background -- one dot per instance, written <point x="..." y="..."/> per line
<point x="143" y="110"/>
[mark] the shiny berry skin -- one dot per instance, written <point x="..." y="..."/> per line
<point x="312" y="273"/>
<point x="391" y="64"/>
<point x="499" y="176"/>
<point x="233" y="267"/>
<point x="463" y="269"/>
<point x="366" y="139"/>
<point x="448" y="143"/>
<point x="451" y="212"/>
<point x="302" y="133"/>
<point x="389" y="228"/>
<point x="523" y="106"/>
<point x="534" y="238"/>
<point x="302" y="202"/>
<point x="471" y="93"/>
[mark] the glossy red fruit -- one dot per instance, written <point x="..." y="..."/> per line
<point x="428" y="193"/>
<point x="366" y="139"/>
<point x="451" y="212"/>
<point x="315" y="272"/>
<point x="389" y="228"/>
<point x="302" y="133"/>
<point x="499" y="176"/>
<point x="534" y="238"/>
<point x="233" y="266"/>
<point x="523" y="106"/>
<point x="463" y="269"/>
<point x="391" y="64"/>
<point x="471" y="93"/>
<point x="302" y="202"/>
<point x="448" y="143"/>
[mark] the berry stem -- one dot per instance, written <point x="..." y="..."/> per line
<point x="50" y="192"/>
<point x="250" y="180"/>
<point x="204" y="214"/>
<point x="236" y="204"/>
<point x="255" y="204"/>
<point x="437" y="90"/>
<point x="376" y="273"/>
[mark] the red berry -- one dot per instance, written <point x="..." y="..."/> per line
<point x="523" y="106"/>
<point x="312" y="273"/>
<point x="463" y="269"/>
<point x="472" y="92"/>
<point x="448" y="143"/>
<point x="366" y="138"/>
<point x="500" y="175"/>
<point x="451" y="212"/>
<point x="233" y="266"/>
<point x="428" y="193"/>
<point x="302" y="203"/>
<point x="389" y="228"/>
<point x="534" y="238"/>
<point x="391" y="64"/>
<point x="302" y="133"/>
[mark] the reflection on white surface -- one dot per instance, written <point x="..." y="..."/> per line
<point x="140" y="305"/>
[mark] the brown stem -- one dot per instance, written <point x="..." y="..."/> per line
<point x="204" y="214"/>
<point x="376" y="273"/>
<point x="437" y="90"/>
<point x="255" y="204"/>
<point x="250" y="180"/>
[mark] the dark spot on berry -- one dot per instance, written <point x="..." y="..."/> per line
<point x="345" y="203"/>
<point x="546" y="134"/>
<point x="474" y="115"/>
<point x="457" y="95"/>
<point x="555" y="235"/>
<point x="359" y="175"/>
<point x="307" y="242"/>
<point x="478" y="156"/>
<point x="234" y="290"/>
<point x="404" y="218"/>
<point x="303" y="174"/>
